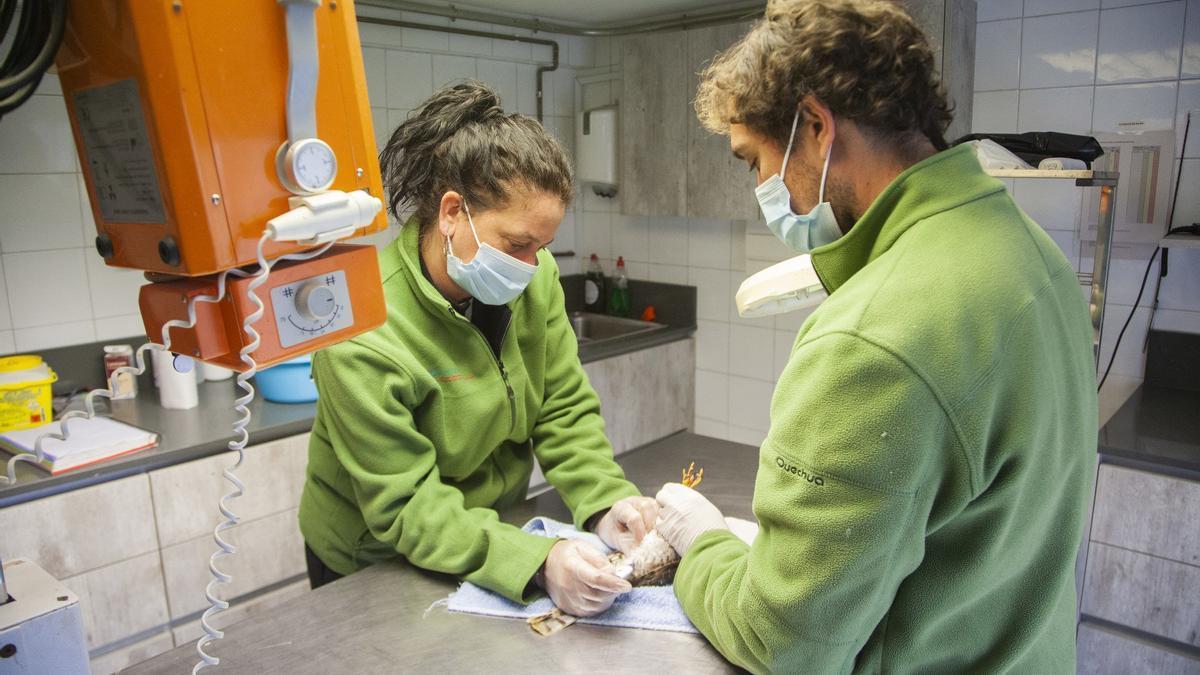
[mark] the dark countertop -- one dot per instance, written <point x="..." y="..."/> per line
<point x="206" y="429"/>
<point x="1158" y="429"/>
<point x="382" y="620"/>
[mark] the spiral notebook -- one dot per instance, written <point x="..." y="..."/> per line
<point x="92" y="441"/>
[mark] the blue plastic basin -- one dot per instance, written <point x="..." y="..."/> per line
<point x="288" y="382"/>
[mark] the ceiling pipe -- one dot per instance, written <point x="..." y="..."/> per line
<point x="733" y="12"/>
<point x="542" y="68"/>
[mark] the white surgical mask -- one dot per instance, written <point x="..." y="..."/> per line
<point x="492" y="277"/>
<point x="805" y="232"/>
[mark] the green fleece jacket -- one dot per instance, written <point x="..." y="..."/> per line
<point x="422" y="432"/>
<point x="922" y="490"/>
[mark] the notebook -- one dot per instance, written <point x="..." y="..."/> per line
<point x="92" y="441"/>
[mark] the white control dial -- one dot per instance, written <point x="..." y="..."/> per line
<point x="315" y="301"/>
<point x="306" y="309"/>
<point x="307" y="166"/>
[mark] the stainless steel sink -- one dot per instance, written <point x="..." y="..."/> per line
<point x="593" y="328"/>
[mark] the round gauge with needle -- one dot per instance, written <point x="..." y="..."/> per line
<point x="308" y="166"/>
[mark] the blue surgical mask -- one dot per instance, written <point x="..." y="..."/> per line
<point x="492" y="277"/>
<point x="805" y="232"/>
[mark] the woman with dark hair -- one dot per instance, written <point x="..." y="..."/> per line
<point x="430" y="423"/>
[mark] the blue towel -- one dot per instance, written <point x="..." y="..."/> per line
<point x="650" y="607"/>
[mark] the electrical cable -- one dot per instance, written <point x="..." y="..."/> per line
<point x="39" y="33"/>
<point x="238" y="445"/>
<point x="1163" y="269"/>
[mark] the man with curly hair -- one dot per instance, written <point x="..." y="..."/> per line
<point x="922" y="489"/>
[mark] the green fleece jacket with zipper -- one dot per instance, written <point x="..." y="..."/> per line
<point x="422" y="431"/>
<point x="922" y="490"/>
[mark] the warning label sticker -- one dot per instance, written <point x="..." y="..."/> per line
<point x="118" y="153"/>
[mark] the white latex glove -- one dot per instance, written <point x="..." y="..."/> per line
<point x="684" y="514"/>
<point x="578" y="579"/>
<point x="627" y="522"/>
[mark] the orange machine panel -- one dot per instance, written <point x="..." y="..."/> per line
<point x="307" y="305"/>
<point x="178" y="108"/>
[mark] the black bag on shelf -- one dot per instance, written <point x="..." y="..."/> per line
<point x="1035" y="146"/>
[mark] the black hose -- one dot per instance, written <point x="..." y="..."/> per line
<point x="39" y="34"/>
<point x="7" y="9"/>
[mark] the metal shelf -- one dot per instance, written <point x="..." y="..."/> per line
<point x="1180" y="241"/>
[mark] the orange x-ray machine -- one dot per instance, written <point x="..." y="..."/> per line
<point x="201" y="124"/>
<point x="227" y="149"/>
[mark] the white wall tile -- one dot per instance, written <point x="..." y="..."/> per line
<point x="471" y="44"/>
<point x="502" y="76"/>
<point x="712" y="346"/>
<point x="1134" y="107"/>
<point x="1111" y="4"/>
<point x="425" y="40"/>
<point x="1037" y="7"/>
<point x="116" y="327"/>
<point x="991" y="10"/>
<point x="793" y="321"/>
<point x="1140" y="43"/>
<point x="511" y="50"/>
<point x="88" y="221"/>
<point x="704" y="427"/>
<point x="712" y="395"/>
<point x="1189" y="100"/>
<point x="560" y="99"/>
<point x="784" y="341"/>
<point x="997" y="55"/>
<point x="669" y="274"/>
<point x="114" y="290"/>
<point x="595" y="235"/>
<point x="708" y="243"/>
<point x="526" y="89"/>
<point x="668" y="240"/>
<point x="383" y="129"/>
<point x="36" y="138"/>
<point x="8" y="342"/>
<point x="47" y="287"/>
<point x="54" y="335"/>
<point x="737" y="245"/>
<point x="712" y="293"/>
<point x="631" y="237"/>
<point x="994" y="112"/>
<point x="409" y="79"/>
<point x="378" y="35"/>
<point x="1068" y="110"/>
<point x="375" y="64"/>
<point x="750" y="403"/>
<point x="752" y="352"/>
<point x="41" y="212"/>
<point x="450" y="69"/>
<point x="1191" y="41"/>
<point x="1058" y="50"/>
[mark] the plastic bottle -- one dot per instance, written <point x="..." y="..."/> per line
<point x="618" y="301"/>
<point x="594" y="286"/>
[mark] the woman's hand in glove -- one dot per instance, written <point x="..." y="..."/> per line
<point x="627" y="522"/>
<point x="579" y="580"/>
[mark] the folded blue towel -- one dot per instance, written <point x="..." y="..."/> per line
<point x="650" y="607"/>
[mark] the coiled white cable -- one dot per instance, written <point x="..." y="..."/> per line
<point x="229" y="518"/>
